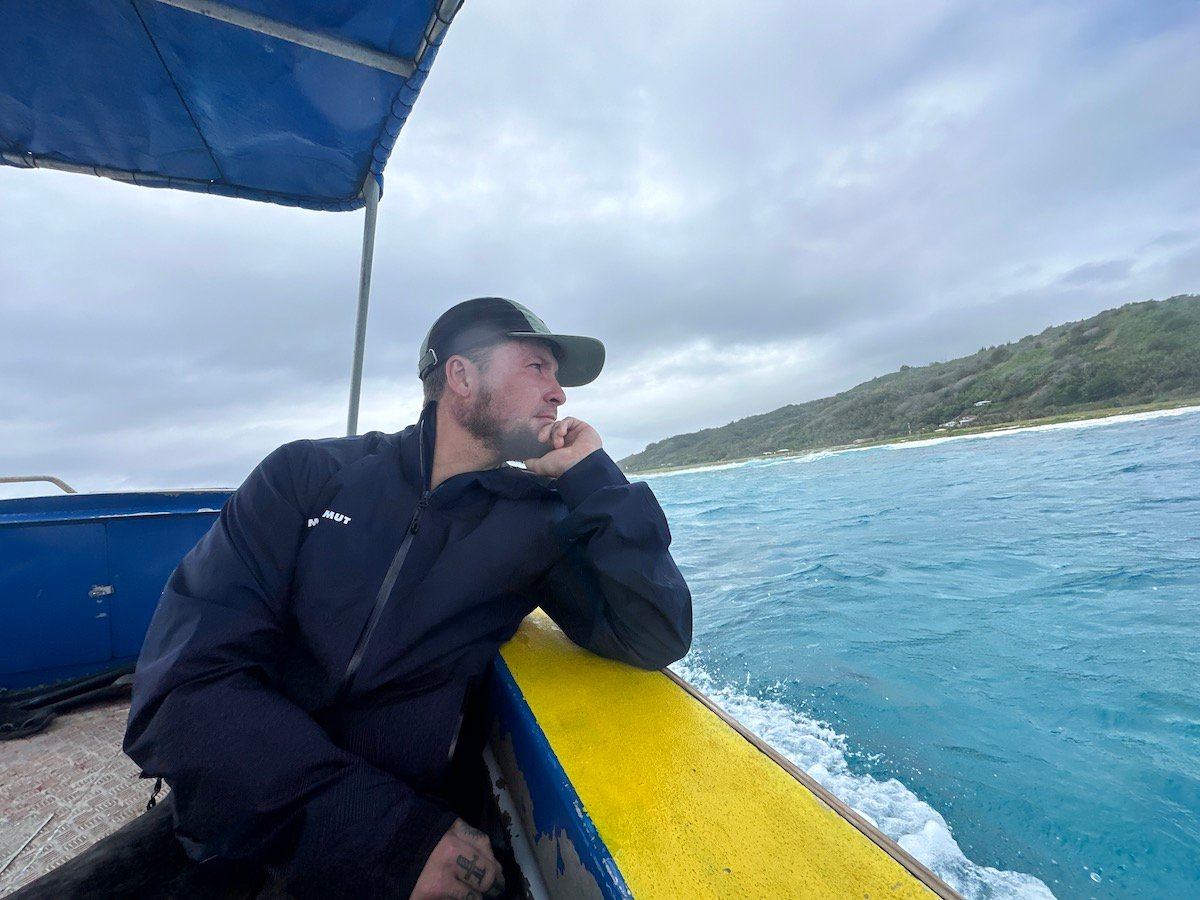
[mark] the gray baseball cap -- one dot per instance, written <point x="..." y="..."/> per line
<point x="489" y="320"/>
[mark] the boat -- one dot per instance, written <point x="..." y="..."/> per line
<point x="606" y="781"/>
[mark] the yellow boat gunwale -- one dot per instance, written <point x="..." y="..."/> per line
<point x="684" y="799"/>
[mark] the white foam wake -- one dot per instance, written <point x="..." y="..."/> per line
<point x="757" y="462"/>
<point x="889" y="805"/>
<point x="1008" y="430"/>
<point x="692" y="470"/>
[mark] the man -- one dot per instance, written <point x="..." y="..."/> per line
<point x="304" y="679"/>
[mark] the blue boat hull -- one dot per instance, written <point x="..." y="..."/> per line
<point x="80" y="576"/>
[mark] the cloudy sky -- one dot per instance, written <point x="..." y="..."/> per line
<point x="752" y="204"/>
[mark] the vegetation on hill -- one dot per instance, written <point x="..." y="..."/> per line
<point x="1138" y="354"/>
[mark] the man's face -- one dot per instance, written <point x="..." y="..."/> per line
<point x="518" y="396"/>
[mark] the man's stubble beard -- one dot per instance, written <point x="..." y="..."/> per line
<point x="515" y="441"/>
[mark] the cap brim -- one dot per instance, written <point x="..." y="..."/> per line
<point x="580" y="359"/>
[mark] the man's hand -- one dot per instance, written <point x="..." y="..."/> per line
<point x="570" y="441"/>
<point x="461" y="867"/>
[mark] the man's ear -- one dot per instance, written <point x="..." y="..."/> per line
<point x="461" y="375"/>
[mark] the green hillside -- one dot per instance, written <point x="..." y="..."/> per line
<point x="1141" y="353"/>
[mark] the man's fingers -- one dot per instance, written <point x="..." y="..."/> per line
<point x="472" y="835"/>
<point x="461" y="865"/>
<point x="477" y="838"/>
<point x="569" y="440"/>
<point x="476" y="865"/>
<point x="556" y="433"/>
<point x="568" y="425"/>
<point x="479" y="872"/>
<point x="472" y="894"/>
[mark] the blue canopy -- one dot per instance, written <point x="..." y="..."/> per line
<point x="296" y="102"/>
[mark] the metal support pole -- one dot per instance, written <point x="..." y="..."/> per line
<point x="371" y="193"/>
<point x="284" y="31"/>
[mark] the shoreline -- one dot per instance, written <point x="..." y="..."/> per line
<point x="1065" y="420"/>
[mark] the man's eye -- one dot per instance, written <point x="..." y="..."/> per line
<point x="537" y="366"/>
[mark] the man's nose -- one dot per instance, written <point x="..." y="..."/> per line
<point x="556" y="394"/>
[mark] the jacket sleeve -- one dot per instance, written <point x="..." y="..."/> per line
<point x="253" y="776"/>
<point x="616" y="590"/>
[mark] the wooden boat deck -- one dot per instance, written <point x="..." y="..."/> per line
<point x="63" y="789"/>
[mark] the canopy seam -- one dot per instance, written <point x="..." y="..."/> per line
<point x="178" y="92"/>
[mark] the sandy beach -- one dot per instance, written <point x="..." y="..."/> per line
<point x="1083" y="420"/>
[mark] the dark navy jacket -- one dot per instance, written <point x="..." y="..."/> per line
<point x="242" y="699"/>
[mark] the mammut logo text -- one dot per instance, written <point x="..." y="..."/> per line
<point x="332" y="516"/>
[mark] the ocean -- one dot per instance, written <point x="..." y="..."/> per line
<point x="988" y="645"/>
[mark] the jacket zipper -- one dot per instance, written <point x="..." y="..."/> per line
<point x="381" y="599"/>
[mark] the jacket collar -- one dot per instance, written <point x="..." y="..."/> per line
<point x="417" y="443"/>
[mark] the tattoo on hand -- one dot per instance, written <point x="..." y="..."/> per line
<point x="470" y="870"/>
<point x="469" y="831"/>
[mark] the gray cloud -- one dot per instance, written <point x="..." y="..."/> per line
<point x="1100" y="272"/>
<point x="752" y="205"/>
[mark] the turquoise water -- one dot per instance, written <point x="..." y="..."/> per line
<point x="989" y="646"/>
